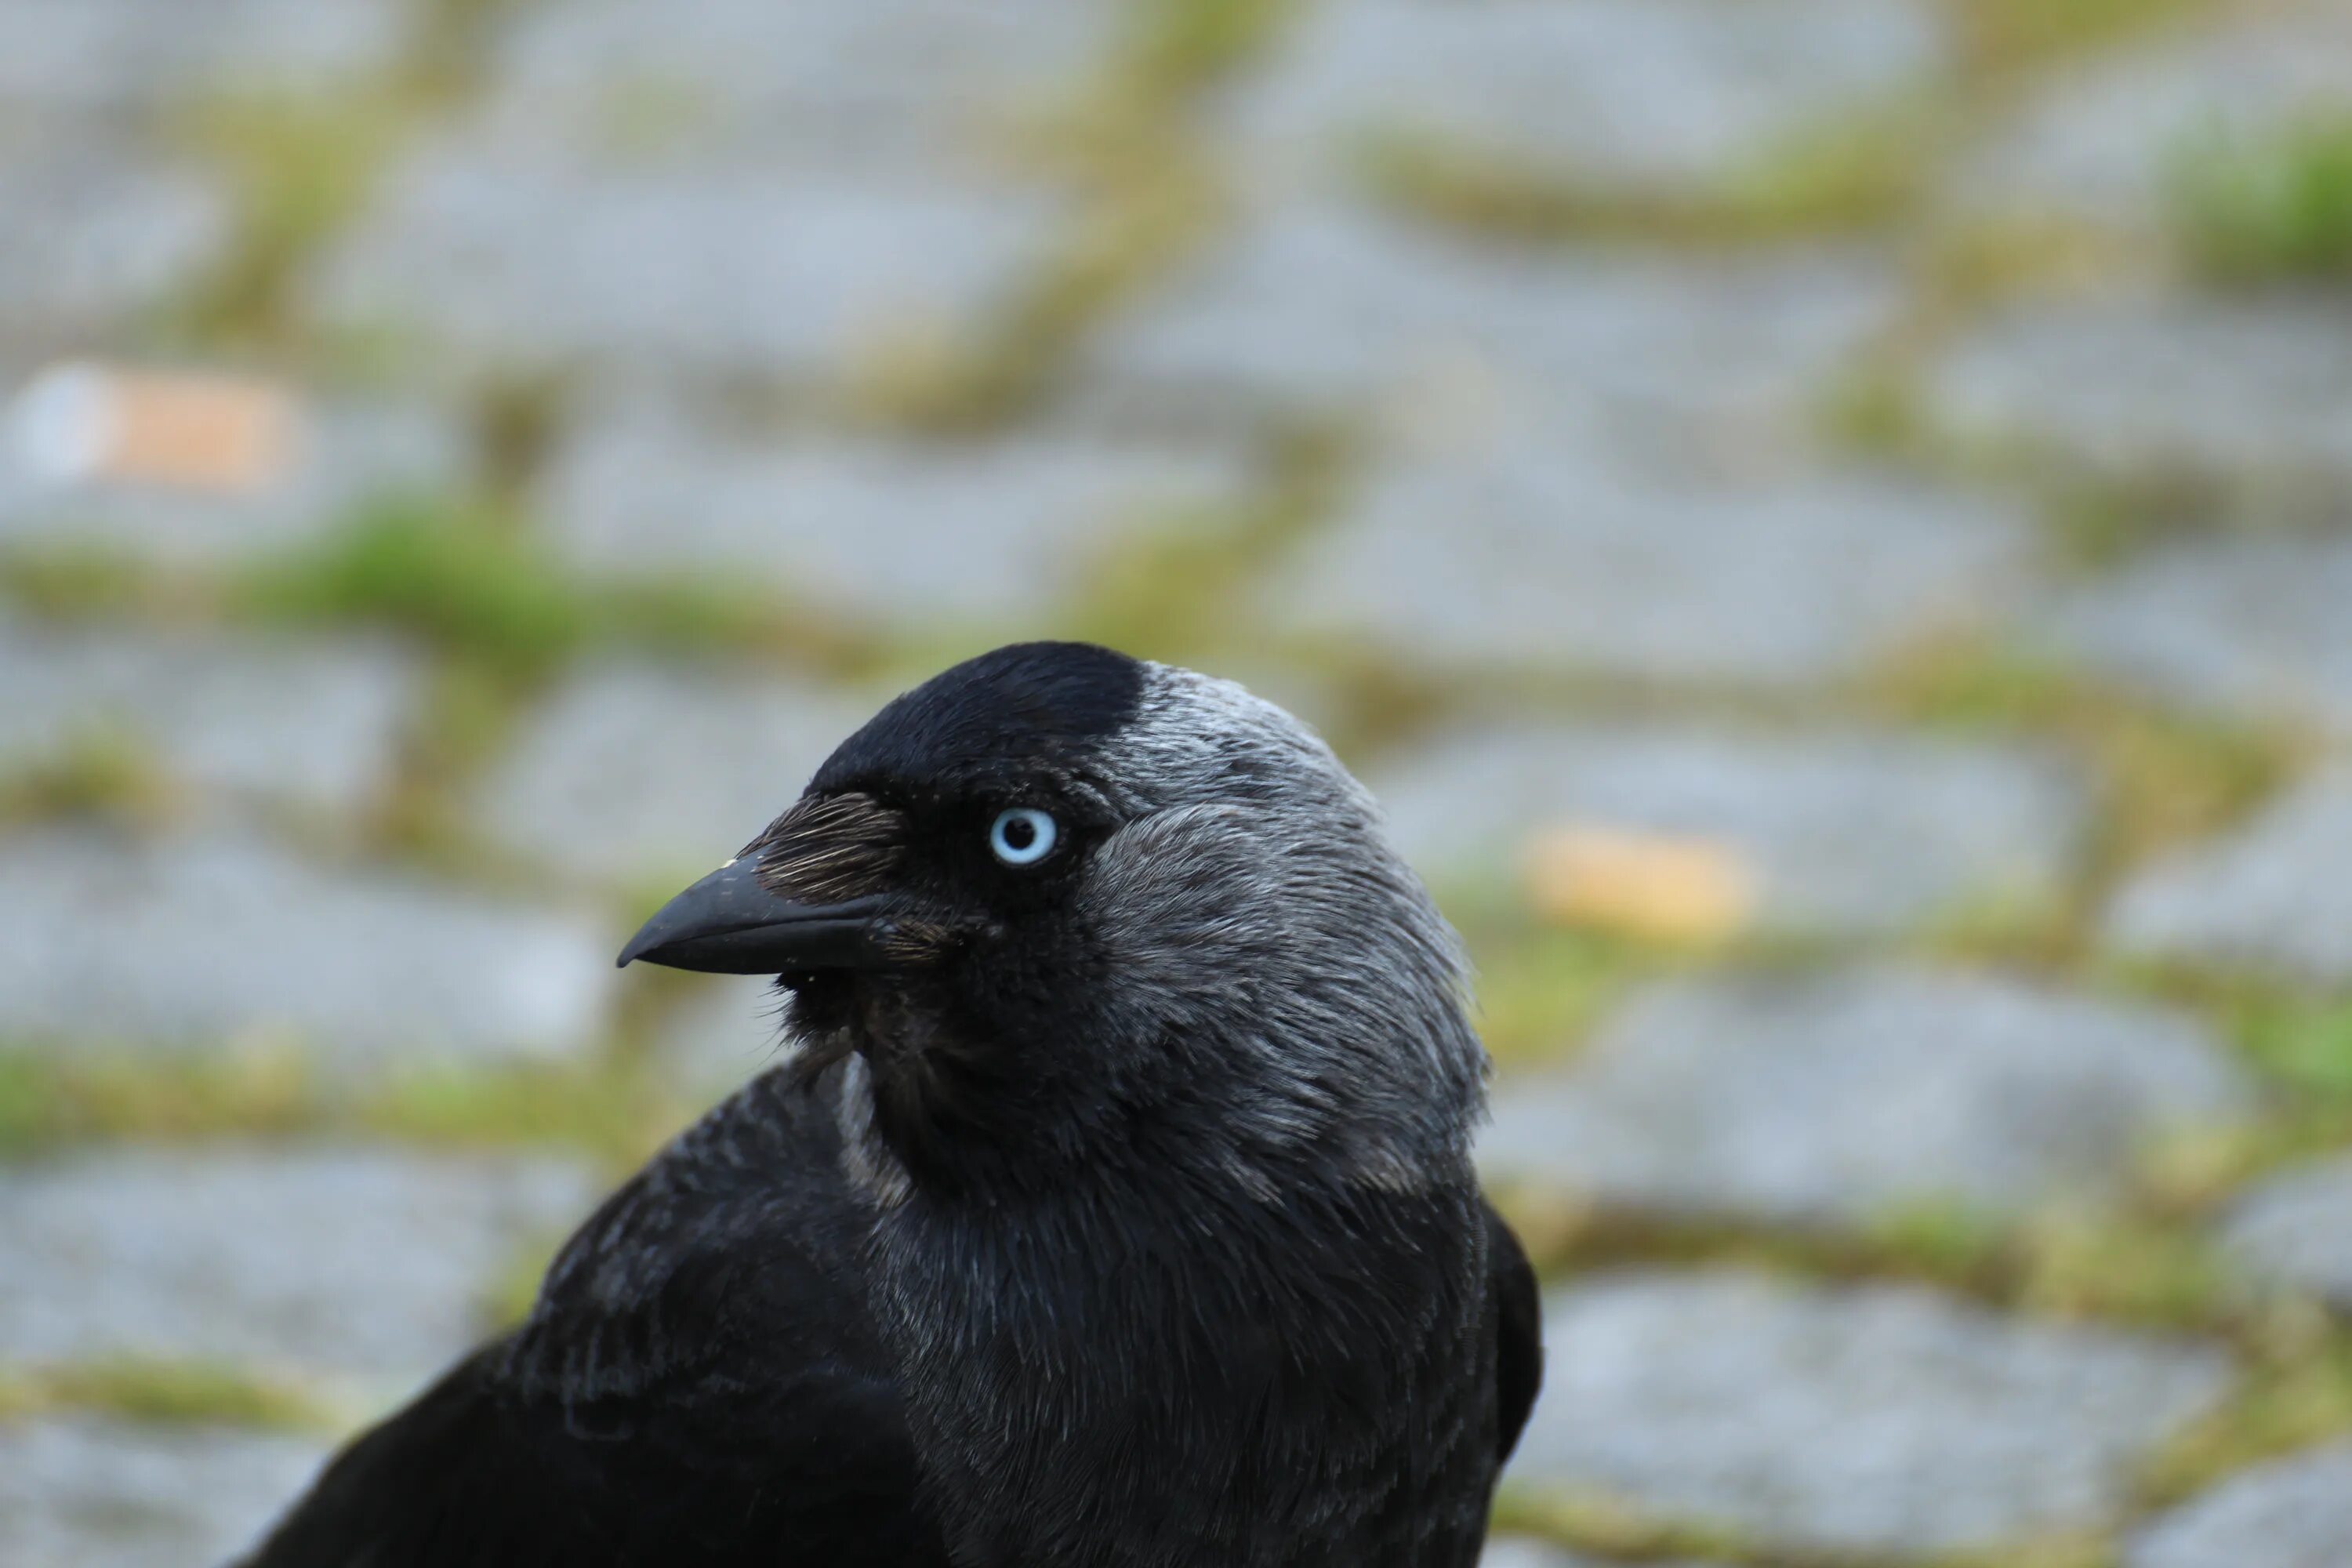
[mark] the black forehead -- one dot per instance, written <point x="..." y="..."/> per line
<point x="1000" y="717"/>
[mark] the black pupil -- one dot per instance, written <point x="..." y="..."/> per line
<point x="1019" y="833"/>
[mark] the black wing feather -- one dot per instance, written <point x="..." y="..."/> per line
<point x="1518" y="1333"/>
<point x="469" y="1475"/>
<point x="698" y="1385"/>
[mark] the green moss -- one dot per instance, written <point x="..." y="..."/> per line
<point x="1590" y="1520"/>
<point x="303" y="164"/>
<point x="2144" y="1258"/>
<point x="2294" y="1040"/>
<point x="2099" y="521"/>
<point x="1567" y="1235"/>
<point x="2303" y="1043"/>
<point x="2157" y="782"/>
<point x="1974" y="685"/>
<point x="2080" y="1550"/>
<point x="1125" y="142"/>
<point x="509" y="1298"/>
<point x="2094" y="512"/>
<point x="616" y="1112"/>
<point x="2134" y="1260"/>
<point x="97" y="771"/>
<point x="301" y="167"/>
<point x="2049" y="938"/>
<point x="1945" y="1242"/>
<point x="705" y="617"/>
<point x="1177" y="49"/>
<point x="1171" y="591"/>
<point x="1997" y="37"/>
<point x="458" y="726"/>
<point x="2259" y="208"/>
<point x="2296" y="1392"/>
<point x="515" y="422"/>
<point x="1114" y="126"/>
<point x="1125" y="234"/>
<point x="2162" y="778"/>
<point x="1878" y="411"/>
<point x="1375" y="704"/>
<point x="498" y="612"/>
<point x="462" y="579"/>
<point x="1181" y="591"/>
<point x="450" y="43"/>
<point x="1540" y="991"/>
<point x="1964" y="267"/>
<point x="174" y="1392"/>
<point x="1852" y="174"/>
<point x="466" y="579"/>
<point x="73" y="582"/>
<point x="54" y="1095"/>
<point x="2119" y="1266"/>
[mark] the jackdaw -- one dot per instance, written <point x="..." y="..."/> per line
<point x="1115" y="1209"/>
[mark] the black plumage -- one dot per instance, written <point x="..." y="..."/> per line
<point x="1114" y="1208"/>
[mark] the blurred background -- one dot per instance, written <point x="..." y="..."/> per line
<point x="1823" y="519"/>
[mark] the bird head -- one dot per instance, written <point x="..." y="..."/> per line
<point x="1056" y="900"/>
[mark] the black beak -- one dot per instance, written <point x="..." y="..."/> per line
<point x="728" y="925"/>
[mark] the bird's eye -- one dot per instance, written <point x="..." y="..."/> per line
<point x="1022" y="835"/>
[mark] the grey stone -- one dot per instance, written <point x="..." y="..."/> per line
<point x="830" y="82"/>
<point x="2273" y="896"/>
<point x="1318" y="697"/>
<point x="114" y="57"/>
<point x="2292" y="1513"/>
<point x="185" y="943"/>
<point x="640" y="772"/>
<point x="98" y="240"/>
<point x="371" y="1266"/>
<point x="1873" y="1420"/>
<point x="2100" y="141"/>
<point x="1673" y="92"/>
<point x="1843" y="832"/>
<point x="974" y="533"/>
<point x="310" y="724"/>
<point x="1314" y="308"/>
<point x="1845" y="1098"/>
<point x="2295" y="1230"/>
<point x="1522" y="1551"/>
<point x="92" y="1492"/>
<point x="2251" y="393"/>
<point x="1552" y="556"/>
<point x="475" y="262"/>
<point x="2251" y="627"/>
<point x="344" y="456"/>
<point x="730" y="1032"/>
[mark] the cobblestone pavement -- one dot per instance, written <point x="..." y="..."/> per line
<point x="1824" y="521"/>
